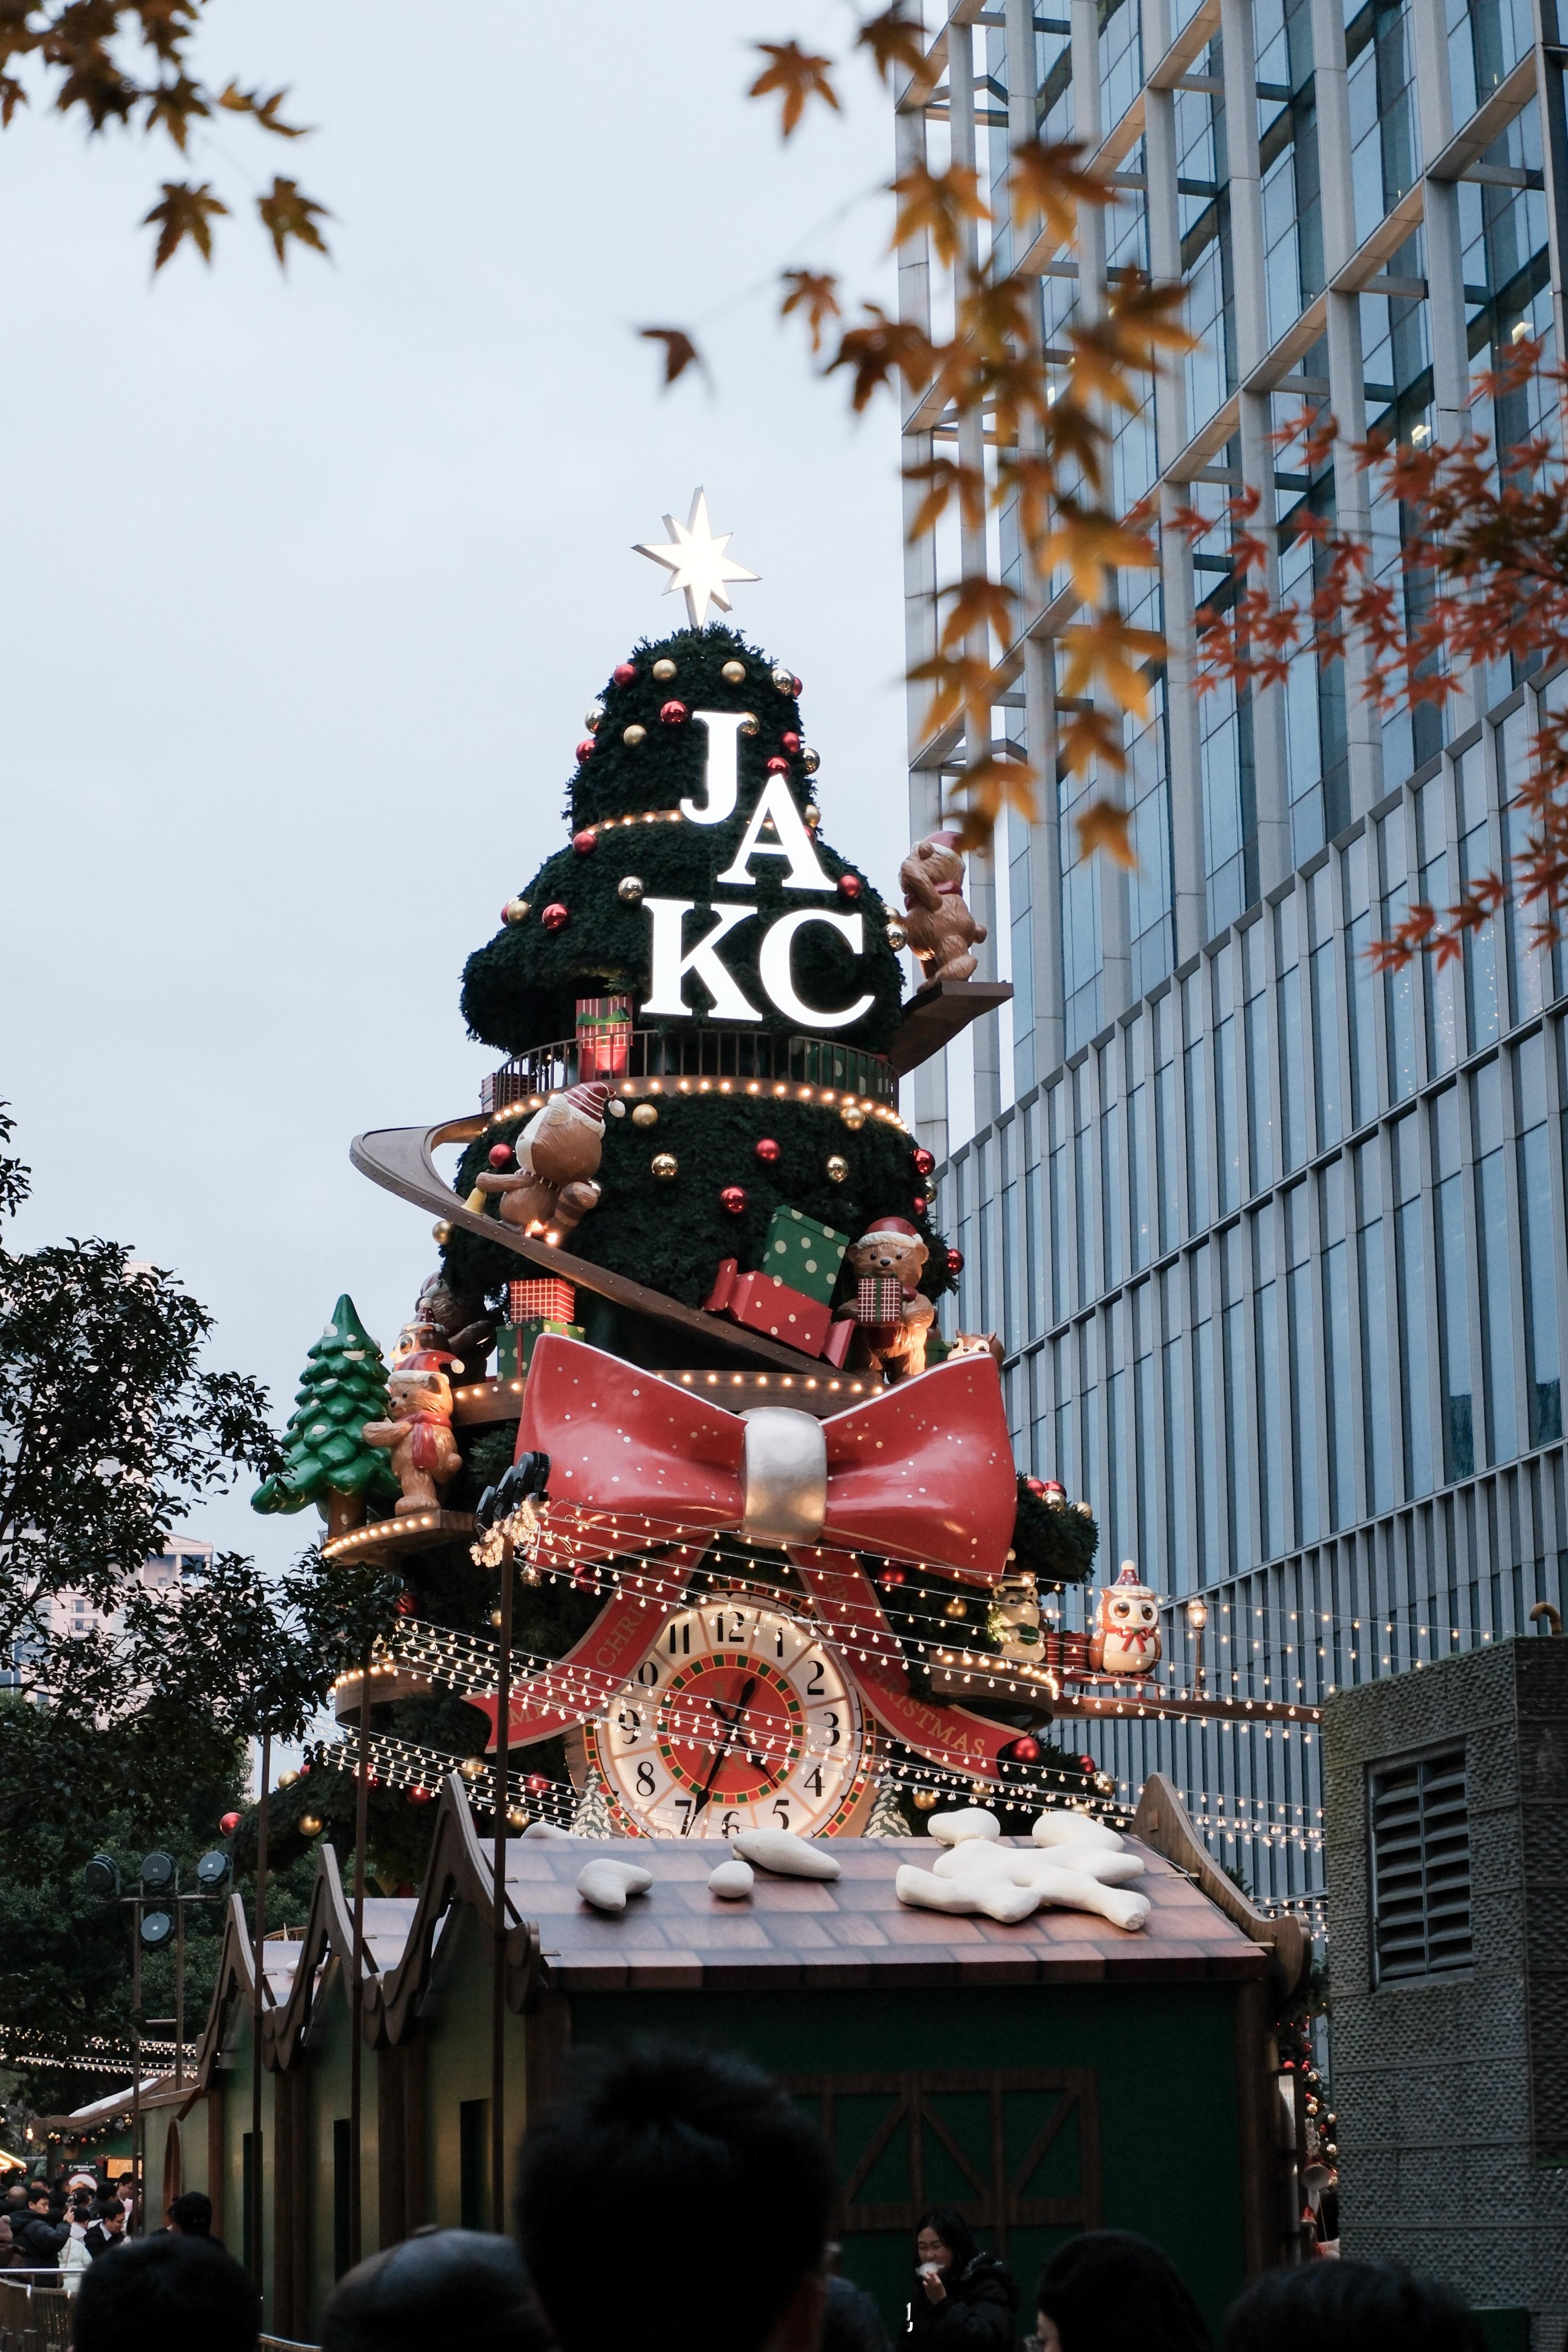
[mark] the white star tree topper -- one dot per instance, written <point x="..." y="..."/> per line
<point x="696" y="561"/>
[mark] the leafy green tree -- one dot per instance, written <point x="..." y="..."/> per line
<point x="324" y="1453"/>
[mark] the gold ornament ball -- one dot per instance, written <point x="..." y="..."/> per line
<point x="733" y="673"/>
<point x="1087" y="1508"/>
<point x="813" y="816"/>
<point x="809" y="759"/>
<point x="955" y="1608"/>
<point x="853" y="1115"/>
<point x="837" y="1169"/>
<point x="311" y="1824"/>
<point x="593" y="717"/>
<point x="664" y="670"/>
<point x="665" y="1166"/>
<point x="472" y="1767"/>
<point x="897" y="937"/>
<point x="629" y="887"/>
<point x="925" y="1800"/>
<point x="515" y="911"/>
<point x="784" y="680"/>
<point x="750" y="723"/>
<point x="441" y="1232"/>
<point x="516" y="1819"/>
<point x="981" y="1788"/>
<point x="495" y="1617"/>
<point x="634" y="735"/>
<point x="286" y="1780"/>
<point x="646" y="1115"/>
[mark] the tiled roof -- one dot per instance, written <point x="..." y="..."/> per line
<point x="849" y="1931"/>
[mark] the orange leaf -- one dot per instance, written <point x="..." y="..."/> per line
<point x="796" y="76"/>
<point x="1049" y="178"/>
<point x="816" y="294"/>
<point x="978" y="603"/>
<point x="680" y="351"/>
<point x="893" y="39"/>
<point x="1104" y="826"/>
<point x="938" y="204"/>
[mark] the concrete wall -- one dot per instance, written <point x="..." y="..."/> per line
<point x="1452" y="2090"/>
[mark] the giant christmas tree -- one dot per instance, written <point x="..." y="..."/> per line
<point x="690" y="1158"/>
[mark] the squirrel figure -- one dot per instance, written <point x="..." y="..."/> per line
<point x="558" y="1155"/>
<point x="938" y="926"/>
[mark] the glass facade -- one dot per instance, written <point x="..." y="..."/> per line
<point x="1276" y="1243"/>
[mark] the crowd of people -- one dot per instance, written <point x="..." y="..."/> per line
<point x="684" y="2202"/>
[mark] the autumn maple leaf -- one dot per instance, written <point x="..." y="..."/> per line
<point x="816" y="294"/>
<point x="978" y="603"/>
<point x="185" y="212"/>
<point x="680" y="351"/>
<point x="893" y="39"/>
<point x="880" y="349"/>
<point x="797" y="76"/>
<point x="1091" y="542"/>
<point x="1104" y="826"/>
<point x="287" y="212"/>
<point x="262" y="111"/>
<point x="946" y="478"/>
<point x="1108" y="650"/>
<point x="938" y="204"/>
<point x="958" y="682"/>
<point x="1049" y="178"/>
<point x="987" y="788"/>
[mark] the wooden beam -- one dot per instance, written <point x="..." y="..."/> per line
<point x="937" y="1013"/>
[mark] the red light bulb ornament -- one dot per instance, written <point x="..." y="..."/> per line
<point x="850" y="885"/>
<point x="733" y="1198"/>
<point x="623" y="673"/>
<point x="673" y="714"/>
<point x="1023" y="1751"/>
<point x="555" y="915"/>
<point x="536" y="1784"/>
<point x="924" y="1160"/>
<point x="501" y="1155"/>
<point x="777" y="767"/>
<point x="586" y="841"/>
<point x="229" y="1823"/>
<point x="789" y="741"/>
<point x="955" y="1261"/>
<point x="767" y="1151"/>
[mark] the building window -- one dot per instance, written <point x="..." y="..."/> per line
<point x="1420" y="1868"/>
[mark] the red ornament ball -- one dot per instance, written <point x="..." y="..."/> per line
<point x="584" y="748"/>
<point x="924" y="1160"/>
<point x="229" y="1823"/>
<point x="789" y="741"/>
<point x="420" y="1796"/>
<point x="586" y="841"/>
<point x="891" y="1575"/>
<point x="1036" y="1485"/>
<point x="850" y="885"/>
<point x="673" y="713"/>
<point x="1023" y="1751"/>
<point x="501" y="1155"/>
<point x="733" y="1198"/>
<point x="537" y="1783"/>
<point x="406" y="1604"/>
<point x="919" y="1206"/>
<point x="1088" y="1763"/>
<point x="777" y="767"/>
<point x="767" y="1151"/>
<point x="555" y="915"/>
<point x="623" y="673"/>
<point x="955" y="1261"/>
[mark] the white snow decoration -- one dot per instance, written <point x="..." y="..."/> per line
<point x="606" y="1885"/>
<point x="993" y="1888"/>
<point x="974" y="1822"/>
<point x="782" y="1850"/>
<point x="547" y="1830"/>
<point x="1063" y="1826"/>
<point x="1024" y="1864"/>
<point x="732" y="1881"/>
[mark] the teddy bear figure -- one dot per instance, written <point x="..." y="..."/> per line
<point x="938" y="926"/>
<point x="558" y="1153"/>
<point x="1126" y="1636"/>
<point x="894" y="1319"/>
<point x="463" y="1326"/>
<point x="418" y="1432"/>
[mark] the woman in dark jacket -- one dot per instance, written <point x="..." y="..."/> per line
<point x="963" y="2300"/>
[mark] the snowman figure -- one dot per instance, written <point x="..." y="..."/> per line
<point x="1126" y="1636"/>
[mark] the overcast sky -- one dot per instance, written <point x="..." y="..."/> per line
<point x="305" y="584"/>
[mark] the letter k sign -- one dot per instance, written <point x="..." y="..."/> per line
<point x="671" y="962"/>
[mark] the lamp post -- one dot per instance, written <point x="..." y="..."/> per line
<point x="1197" y="1618"/>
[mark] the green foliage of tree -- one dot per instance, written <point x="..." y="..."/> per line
<point x="324" y="1451"/>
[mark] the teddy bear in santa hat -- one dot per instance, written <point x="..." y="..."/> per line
<point x="417" y="1431"/>
<point x="1126" y="1636"/>
<point x="557" y="1156"/>
<point x="894" y="1318"/>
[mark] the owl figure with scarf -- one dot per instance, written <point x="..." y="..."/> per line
<point x="1126" y="1636"/>
<point x="418" y="1432"/>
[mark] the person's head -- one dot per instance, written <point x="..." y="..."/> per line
<point x="37" y="2198"/>
<point x="113" y="2220"/>
<point x="16" y="2193"/>
<point x="944" y="2237"/>
<point x="160" y="2291"/>
<point x="1108" y="2291"/>
<point x="440" y="2286"/>
<point x="1355" y="2306"/>
<point x="651" y="2137"/>
<point x="190" y="2215"/>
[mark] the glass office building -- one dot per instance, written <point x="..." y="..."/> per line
<point x="1276" y="1243"/>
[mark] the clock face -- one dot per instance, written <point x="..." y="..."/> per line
<point x="737" y="1718"/>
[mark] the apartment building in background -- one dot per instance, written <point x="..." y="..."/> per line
<point x="1275" y="1245"/>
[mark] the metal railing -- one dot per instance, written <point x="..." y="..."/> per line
<point x="33" y="2318"/>
<point x="656" y="1059"/>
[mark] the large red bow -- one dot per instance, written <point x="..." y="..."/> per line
<point x="921" y="1471"/>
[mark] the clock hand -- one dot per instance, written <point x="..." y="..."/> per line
<point x="706" y="1791"/>
<point x="758" y="1763"/>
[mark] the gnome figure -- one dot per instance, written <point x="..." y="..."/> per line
<point x="557" y="1155"/>
<point x="418" y="1432"/>
<point x="1126" y="1636"/>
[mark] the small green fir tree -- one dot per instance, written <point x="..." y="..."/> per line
<point x="325" y="1455"/>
